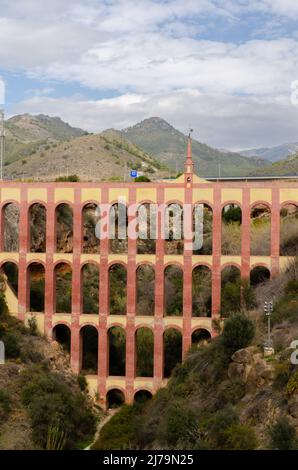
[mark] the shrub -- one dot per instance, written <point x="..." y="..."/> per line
<point x="292" y="385"/>
<point x="82" y="382"/>
<point x="5" y="405"/>
<point x="178" y="424"/>
<point x="12" y="345"/>
<point x="218" y="424"/>
<point x="32" y="326"/>
<point x="119" y="432"/>
<point x="51" y="403"/>
<point x="282" y="435"/>
<point x="240" y="437"/>
<point x="238" y="333"/>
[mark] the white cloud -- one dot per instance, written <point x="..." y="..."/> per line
<point x="153" y="54"/>
<point x="219" y="120"/>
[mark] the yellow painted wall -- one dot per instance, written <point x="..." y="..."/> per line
<point x="146" y="194"/>
<point x="10" y="193"/>
<point x="288" y="195"/>
<point x="259" y="194"/>
<point x="37" y="194"/>
<point x="91" y="194"/>
<point x="231" y="194"/>
<point x="118" y="193"/>
<point x="64" y="194"/>
<point x="174" y="194"/>
<point x="202" y="194"/>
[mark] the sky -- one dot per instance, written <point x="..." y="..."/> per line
<point x="222" y="67"/>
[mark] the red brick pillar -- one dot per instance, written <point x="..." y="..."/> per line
<point x="130" y="359"/>
<point x="187" y="271"/>
<point x="103" y="353"/>
<point x="245" y="234"/>
<point x="76" y="283"/>
<point x="159" y="294"/>
<point x="275" y="231"/>
<point x="216" y="251"/>
<point x="23" y="288"/>
<point x="49" y="269"/>
<point x="1" y="228"/>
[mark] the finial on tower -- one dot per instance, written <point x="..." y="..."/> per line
<point x="189" y="166"/>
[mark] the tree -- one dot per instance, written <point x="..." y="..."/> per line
<point x="238" y="332"/>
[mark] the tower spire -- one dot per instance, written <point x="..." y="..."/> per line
<point x="189" y="166"/>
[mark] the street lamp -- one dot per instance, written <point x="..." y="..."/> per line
<point x="268" y="309"/>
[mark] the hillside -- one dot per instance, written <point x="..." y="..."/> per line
<point x="161" y="139"/>
<point x="42" y="403"/>
<point x="273" y="154"/>
<point x="226" y="395"/>
<point x="107" y="156"/>
<point x="27" y="134"/>
<point x="287" y="167"/>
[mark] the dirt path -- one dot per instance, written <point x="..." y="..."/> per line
<point x="110" y="414"/>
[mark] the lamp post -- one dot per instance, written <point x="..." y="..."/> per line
<point x="268" y="309"/>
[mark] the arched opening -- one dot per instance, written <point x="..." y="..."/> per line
<point x="38" y="224"/>
<point x="10" y="272"/>
<point x="200" y="336"/>
<point x="90" y="288"/>
<point x="36" y="273"/>
<point x="231" y="230"/>
<point x="117" y="289"/>
<point x="289" y="230"/>
<point x="230" y="290"/>
<point x="63" y="288"/>
<point x="11" y="220"/>
<point x="202" y="228"/>
<point x="174" y="230"/>
<point x="118" y="222"/>
<point x="117" y="350"/>
<point x="146" y="243"/>
<point x="64" y="229"/>
<point x="141" y="396"/>
<point x="259" y="275"/>
<point x="172" y="350"/>
<point x="173" y="281"/>
<point x="89" y="341"/>
<point x="62" y="334"/>
<point x="201" y="291"/>
<point x="115" y="398"/>
<point x="145" y="290"/>
<point x="91" y="243"/>
<point x="260" y="230"/>
<point x="144" y="352"/>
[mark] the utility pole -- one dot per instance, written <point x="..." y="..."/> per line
<point x="2" y="143"/>
<point x="268" y="309"/>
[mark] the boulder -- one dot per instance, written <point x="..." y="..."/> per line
<point x="244" y="356"/>
<point x="238" y="371"/>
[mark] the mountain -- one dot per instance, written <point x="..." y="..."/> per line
<point x="286" y="167"/>
<point x="27" y="134"/>
<point x="106" y="156"/>
<point x="159" y="138"/>
<point x="272" y="153"/>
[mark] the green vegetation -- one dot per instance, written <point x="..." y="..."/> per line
<point x="5" y="405"/>
<point x="283" y="435"/>
<point x="179" y="417"/>
<point x="70" y="178"/>
<point x="53" y="404"/>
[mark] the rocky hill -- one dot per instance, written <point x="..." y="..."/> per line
<point x="27" y="134"/>
<point x="273" y="154"/>
<point x="99" y="157"/>
<point x="286" y="167"/>
<point x="159" y="138"/>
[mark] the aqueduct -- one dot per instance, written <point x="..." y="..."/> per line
<point x="75" y="324"/>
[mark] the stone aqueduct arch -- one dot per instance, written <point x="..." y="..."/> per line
<point x="189" y="189"/>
